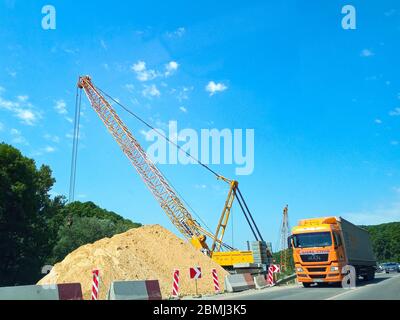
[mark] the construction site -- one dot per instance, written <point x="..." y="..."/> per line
<point x="103" y="198"/>
<point x="151" y="262"/>
<point x="140" y="255"/>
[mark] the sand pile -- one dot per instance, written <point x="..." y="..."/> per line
<point x="146" y="253"/>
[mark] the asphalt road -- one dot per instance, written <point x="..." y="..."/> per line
<point x="384" y="287"/>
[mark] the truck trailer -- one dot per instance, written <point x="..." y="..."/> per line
<point x="323" y="246"/>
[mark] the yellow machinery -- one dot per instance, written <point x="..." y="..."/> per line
<point x="169" y="201"/>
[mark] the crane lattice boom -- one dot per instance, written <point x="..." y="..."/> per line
<point x="153" y="178"/>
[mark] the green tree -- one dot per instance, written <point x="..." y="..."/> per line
<point x="385" y="241"/>
<point x="80" y="223"/>
<point x="24" y="207"/>
<point x="84" y="230"/>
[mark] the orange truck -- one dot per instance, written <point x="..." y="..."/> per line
<point x="323" y="246"/>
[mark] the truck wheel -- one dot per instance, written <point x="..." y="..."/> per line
<point x="369" y="276"/>
<point x="306" y="284"/>
<point x="372" y="275"/>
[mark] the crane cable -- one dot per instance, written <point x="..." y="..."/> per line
<point x="163" y="136"/>
<point x="159" y="133"/>
<point x="168" y="140"/>
<point x="72" y="178"/>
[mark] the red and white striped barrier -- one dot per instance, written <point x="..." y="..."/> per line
<point x="215" y="279"/>
<point x="273" y="268"/>
<point x="95" y="285"/>
<point x="271" y="275"/>
<point x="175" y="285"/>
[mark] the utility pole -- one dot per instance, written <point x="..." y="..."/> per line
<point x="284" y="234"/>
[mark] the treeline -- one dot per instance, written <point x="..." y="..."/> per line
<point x="37" y="229"/>
<point x="385" y="241"/>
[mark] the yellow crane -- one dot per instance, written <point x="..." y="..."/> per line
<point x="165" y="194"/>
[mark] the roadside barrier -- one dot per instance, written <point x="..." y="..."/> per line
<point x="239" y="282"/>
<point x="175" y="284"/>
<point x="260" y="282"/>
<point x="134" y="290"/>
<point x="95" y="285"/>
<point x="66" y="291"/>
<point x="215" y="280"/>
<point x="271" y="275"/>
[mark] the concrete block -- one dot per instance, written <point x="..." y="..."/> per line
<point x="260" y="282"/>
<point x="134" y="290"/>
<point x="34" y="292"/>
<point x="239" y="282"/>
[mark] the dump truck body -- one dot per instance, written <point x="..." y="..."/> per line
<point x="323" y="246"/>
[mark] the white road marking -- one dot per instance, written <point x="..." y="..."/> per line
<point x="360" y="287"/>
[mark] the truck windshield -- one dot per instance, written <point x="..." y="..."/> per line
<point x="314" y="239"/>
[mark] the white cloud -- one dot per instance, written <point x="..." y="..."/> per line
<point x="49" y="149"/>
<point x="22" y="109"/>
<point x="130" y="87"/>
<point x="183" y="109"/>
<point x="395" y="112"/>
<point x="213" y="87"/>
<point x="151" y="91"/>
<point x="183" y="93"/>
<point x="61" y="107"/>
<point x="176" y="33"/>
<point x="23" y="98"/>
<point x="142" y="73"/>
<point x="146" y="134"/>
<point x="170" y="68"/>
<point x="394" y="143"/>
<point x="17" y="137"/>
<point x="52" y="138"/>
<point x="366" y="53"/>
<point x="378" y="121"/>
<point x="139" y="66"/>
<point x="27" y="116"/>
<point x="379" y="215"/>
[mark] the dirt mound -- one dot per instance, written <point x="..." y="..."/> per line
<point x="145" y="253"/>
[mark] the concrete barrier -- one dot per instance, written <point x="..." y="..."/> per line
<point x="260" y="282"/>
<point x="134" y="290"/>
<point x="68" y="291"/>
<point x="239" y="282"/>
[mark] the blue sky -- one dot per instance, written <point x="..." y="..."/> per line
<point x="323" y="101"/>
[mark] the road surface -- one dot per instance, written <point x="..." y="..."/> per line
<point x="385" y="286"/>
